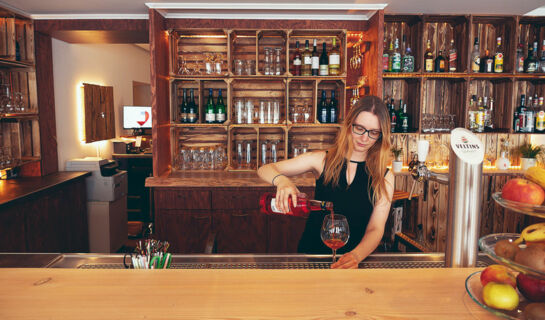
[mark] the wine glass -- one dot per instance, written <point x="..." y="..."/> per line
<point x="335" y="232"/>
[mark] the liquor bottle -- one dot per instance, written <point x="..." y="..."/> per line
<point x="540" y="117"/>
<point x="210" y="112"/>
<point x="452" y="57"/>
<point x="324" y="67"/>
<point x="530" y="64"/>
<point x="315" y="65"/>
<point x="323" y="110"/>
<point x="530" y="117"/>
<point x="487" y="62"/>
<point x="399" y="111"/>
<point x="520" y="116"/>
<point x="385" y="56"/>
<point x="407" y="64"/>
<point x="396" y="58"/>
<point x="473" y="113"/>
<point x="520" y="58"/>
<point x="183" y="108"/>
<point x="297" y="60"/>
<point x="193" y="108"/>
<point x="333" y="108"/>
<point x="480" y="115"/>
<point x="306" y="69"/>
<point x="393" y="117"/>
<point x="440" y="62"/>
<point x="476" y="57"/>
<point x="303" y="207"/>
<point x="542" y="58"/>
<point x="490" y="123"/>
<point x="334" y="59"/>
<point x="391" y="55"/>
<point x="498" y="57"/>
<point x="220" y="109"/>
<point x="428" y="58"/>
<point x="404" y="119"/>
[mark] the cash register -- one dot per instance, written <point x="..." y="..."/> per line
<point x="106" y="202"/>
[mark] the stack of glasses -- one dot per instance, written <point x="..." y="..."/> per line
<point x="269" y="152"/>
<point x="201" y="158"/>
<point x="272" y="65"/>
<point x="267" y="113"/>
<point x="244" y="67"/>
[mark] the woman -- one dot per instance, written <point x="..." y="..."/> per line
<point x="352" y="174"/>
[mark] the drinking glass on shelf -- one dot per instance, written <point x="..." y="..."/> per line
<point x="264" y="153"/>
<point x="335" y="232"/>
<point x="203" y="156"/>
<point x="182" y="66"/>
<point x="277" y="66"/>
<point x="239" y="67"/>
<point x="195" y="158"/>
<point x="209" y="63"/>
<point x="240" y="111"/>
<point x="262" y="108"/>
<point x="219" y="155"/>
<point x="240" y="153"/>
<point x="249" y="67"/>
<point x="218" y="62"/>
<point x="274" y="151"/>
<point x="303" y="148"/>
<point x="276" y="111"/>
<point x="295" y="149"/>
<point x="248" y="154"/>
<point x="306" y="110"/>
<point x="267" y="63"/>
<point x="452" y="122"/>
<point x="249" y="111"/>
<point x="294" y="114"/>
<point x="210" y="158"/>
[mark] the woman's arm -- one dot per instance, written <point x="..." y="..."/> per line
<point x="278" y="175"/>
<point x="374" y="231"/>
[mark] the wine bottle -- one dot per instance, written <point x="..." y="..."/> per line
<point x="220" y="109"/>
<point x="520" y="58"/>
<point x="303" y="207"/>
<point x="306" y="69"/>
<point x="332" y="108"/>
<point x="393" y="117"/>
<point x="315" y="65"/>
<point x="210" y="112"/>
<point x="334" y="59"/>
<point x="323" y="111"/>
<point x="324" y="63"/>
<point x="428" y="58"/>
<point x="297" y="60"/>
<point x="183" y="108"/>
<point x="404" y="119"/>
<point x="193" y="109"/>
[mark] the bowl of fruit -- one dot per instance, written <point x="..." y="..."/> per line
<point x="524" y="195"/>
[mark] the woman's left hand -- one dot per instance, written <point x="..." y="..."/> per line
<point x="346" y="261"/>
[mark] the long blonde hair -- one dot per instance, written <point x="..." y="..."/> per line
<point x="378" y="155"/>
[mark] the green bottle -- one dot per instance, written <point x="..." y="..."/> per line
<point x="192" y="108"/>
<point x="183" y="108"/>
<point x="332" y="108"/>
<point x="220" y="109"/>
<point x="210" y="113"/>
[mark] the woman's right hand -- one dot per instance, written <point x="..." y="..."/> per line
<point x="285" y="189"/>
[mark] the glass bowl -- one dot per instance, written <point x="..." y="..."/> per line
<point x="525" y="208"/>
<point x="487" y="244"/>
<point x="475" y="290"/>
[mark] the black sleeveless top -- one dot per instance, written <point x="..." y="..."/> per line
<point x="351" y="201"/>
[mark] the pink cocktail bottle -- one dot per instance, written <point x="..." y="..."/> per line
<point x="302" y="208"/>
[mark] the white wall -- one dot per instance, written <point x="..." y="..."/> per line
<point x="116" y="65"/>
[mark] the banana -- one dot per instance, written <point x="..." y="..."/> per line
<point x="532" y="233"/>
<point x="536" y="175"/>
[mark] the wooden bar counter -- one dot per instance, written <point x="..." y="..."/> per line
<point x="237" y="294"/>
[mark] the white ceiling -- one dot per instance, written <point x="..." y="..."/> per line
<point x="73" y="9"/>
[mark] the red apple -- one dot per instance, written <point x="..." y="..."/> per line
<point x="522" y="190"/>
<point x="498" y="273"/>
<point x="532" y="288"/>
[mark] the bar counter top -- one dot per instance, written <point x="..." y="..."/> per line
<point x="238" y="294"/>
<point x="21" y="187"/>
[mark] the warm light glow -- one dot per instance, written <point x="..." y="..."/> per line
<point x="80" y="110"/>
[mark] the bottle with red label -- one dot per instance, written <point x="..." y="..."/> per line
<point x="302" y="208"/>
<point x="452" y="57"/>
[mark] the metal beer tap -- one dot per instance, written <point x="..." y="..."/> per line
<point x="420" y="172"/>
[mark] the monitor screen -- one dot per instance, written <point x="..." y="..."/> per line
<point x="136" y="117"/>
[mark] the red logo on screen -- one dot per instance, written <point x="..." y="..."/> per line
<point x="141" y="123"/>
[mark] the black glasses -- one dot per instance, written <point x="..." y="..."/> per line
<point x="372" y="134"/>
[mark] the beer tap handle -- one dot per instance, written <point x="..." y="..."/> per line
<point x="422" y="148"/>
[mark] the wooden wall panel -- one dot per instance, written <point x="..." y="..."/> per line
<point x="46" y="102"/>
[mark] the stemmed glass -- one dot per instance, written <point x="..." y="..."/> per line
<point x="335" y="232"/>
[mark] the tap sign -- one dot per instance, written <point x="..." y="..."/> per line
<point x="467" y="146"/>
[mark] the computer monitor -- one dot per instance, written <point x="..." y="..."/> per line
<point x="136" y="117"/>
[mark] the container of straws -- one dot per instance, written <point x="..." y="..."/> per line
<point x="150" y="254"/>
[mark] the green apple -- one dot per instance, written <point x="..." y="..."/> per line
<point x="500" y="296"/>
